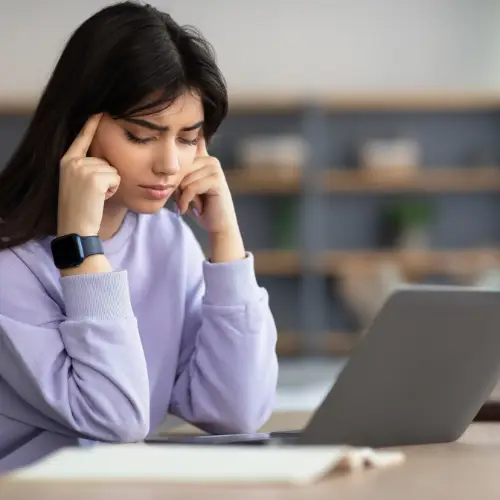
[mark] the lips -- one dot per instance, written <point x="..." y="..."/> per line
<point x="157" y="191"/>
<point x="158" y="187"/>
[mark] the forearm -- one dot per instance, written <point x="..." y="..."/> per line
<point x="85" y="371"/>
<point x="230" y="387"/>
<point x="228" y="382"/>
<point x="94" y="264"/>
<point x="227" y="246"/>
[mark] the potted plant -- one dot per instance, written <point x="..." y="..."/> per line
<point x="405" y="224"/>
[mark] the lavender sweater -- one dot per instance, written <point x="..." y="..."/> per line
<point x="104" y="357"/>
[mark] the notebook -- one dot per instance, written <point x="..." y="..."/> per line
<point x="203" y="464"/>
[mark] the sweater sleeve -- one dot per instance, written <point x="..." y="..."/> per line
<point x="227" y="371"/>
<point x="82" y="370"/>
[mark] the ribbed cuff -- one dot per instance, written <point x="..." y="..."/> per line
<point x="231" y="283"/>
<point x="97" y="296"/>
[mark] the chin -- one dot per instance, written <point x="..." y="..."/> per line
<point x="146" y="206"/>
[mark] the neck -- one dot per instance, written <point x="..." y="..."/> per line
<point x="112" y="220"/>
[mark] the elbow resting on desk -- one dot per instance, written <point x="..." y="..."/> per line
<point x="130" y="428"/>
<point x="235" y="424"/>
<point x="101" y="412"/>
<point x="240" y="421"/>
<point x="242" y="410"/>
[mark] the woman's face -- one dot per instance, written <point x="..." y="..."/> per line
<point x="150" y="153"/>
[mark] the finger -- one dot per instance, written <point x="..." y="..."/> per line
<point x="83" y="140"/>
<point x="90" y="163"/>
<point x="184" y="199"/>
<point x="102" y="169"/>
<point x="195" y="176"/>
<point x="196" y="206"/>
<point x="106" y="180"/>
<point x="202" y="147"/>
<point x="110" y="192"/>
<point x="91" y="168"/>
<point x="202" y="162"/>
<point x="189" y="195"/>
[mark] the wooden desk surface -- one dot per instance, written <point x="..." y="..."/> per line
<point x="466" y="469"/>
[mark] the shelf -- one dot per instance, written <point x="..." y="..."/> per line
<point x="431" y="180"/>
<point x="268" y="179"/>
<point x="267" y="102"/>
<point x="414" y="101"/>
<point x="16" y="107"/>
<point x="365" y="101"/>
<point x="287" y="180"/>
<point x="413" y="263"/>
<point x="277" y="262"/>
<point x="275" y="101"/>
<point x="328" y="343"/>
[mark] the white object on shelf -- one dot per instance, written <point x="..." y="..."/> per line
<point x="414" y="238"/>
<point x="265" y="151"/>
<point x="366" y="293"/>
<point x="489" y="279"/>
<point x="403" y="154"/>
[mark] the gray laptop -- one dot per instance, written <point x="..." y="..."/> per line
<point x="420" y="374"/>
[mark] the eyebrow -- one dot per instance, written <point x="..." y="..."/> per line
<point x="160" y="128"/>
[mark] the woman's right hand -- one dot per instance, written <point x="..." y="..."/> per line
<point x="84" y="184"/>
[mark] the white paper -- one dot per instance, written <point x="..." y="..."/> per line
<point x="203" y="464"/>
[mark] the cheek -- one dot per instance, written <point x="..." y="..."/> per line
<point x="186" y="155"/>
<point x="126" y="157"/>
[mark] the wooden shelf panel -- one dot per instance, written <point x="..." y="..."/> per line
<point x="447" y="262"/>
<point x="412" y="101"/>
<point x="425" y="180"/>
<point x="366" y="101"/>
<point x="329" y="343"/>
<point x="343" y="263"/>
<point x="264" y="179"/>
<point x="287" y="180"/>
<point x="273" y="101"/>
<point x="277" y="262"/>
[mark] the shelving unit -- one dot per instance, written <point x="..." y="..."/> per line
<point x="365" y="101"/>
<point x="414" y="263"/>
<point x="330" y="343"/>
<point x="430" y="180"/>
<point x="261" y="180"/>
<point x="337" y="202"/>
<point x="287" y="180"/>
<point x="332" y="224"/>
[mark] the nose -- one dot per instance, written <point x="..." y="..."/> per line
<point x="167" y="161"/>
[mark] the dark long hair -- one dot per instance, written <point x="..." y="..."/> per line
<point x="112" y="63"/>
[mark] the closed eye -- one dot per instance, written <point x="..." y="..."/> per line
<point x="138" y="140"/>
<point x="190" y="142"/>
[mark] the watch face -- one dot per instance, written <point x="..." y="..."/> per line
<point x="67" y="251"/>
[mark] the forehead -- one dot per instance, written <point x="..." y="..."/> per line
<point x="185" y="110"/>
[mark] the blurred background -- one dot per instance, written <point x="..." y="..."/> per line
<point x="362" y="148"/>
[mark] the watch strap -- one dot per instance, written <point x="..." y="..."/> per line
<point x="91" y="245"/>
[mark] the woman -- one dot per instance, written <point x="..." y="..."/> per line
<point x="110" y="315"/>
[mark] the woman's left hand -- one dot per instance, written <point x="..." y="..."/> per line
<point x="204" y="193"/>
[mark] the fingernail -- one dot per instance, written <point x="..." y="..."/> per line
<point x="195" y="211"/>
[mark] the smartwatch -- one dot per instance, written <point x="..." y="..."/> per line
<point x="71" y="250"/>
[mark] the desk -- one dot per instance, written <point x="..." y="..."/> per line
<point x="297" y="420"/>
<point x="490" y="411"/>
<point x="463" y="470"/>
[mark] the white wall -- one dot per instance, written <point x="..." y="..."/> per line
<point x="493" y="44"/>
<point x="292" y="46"/>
